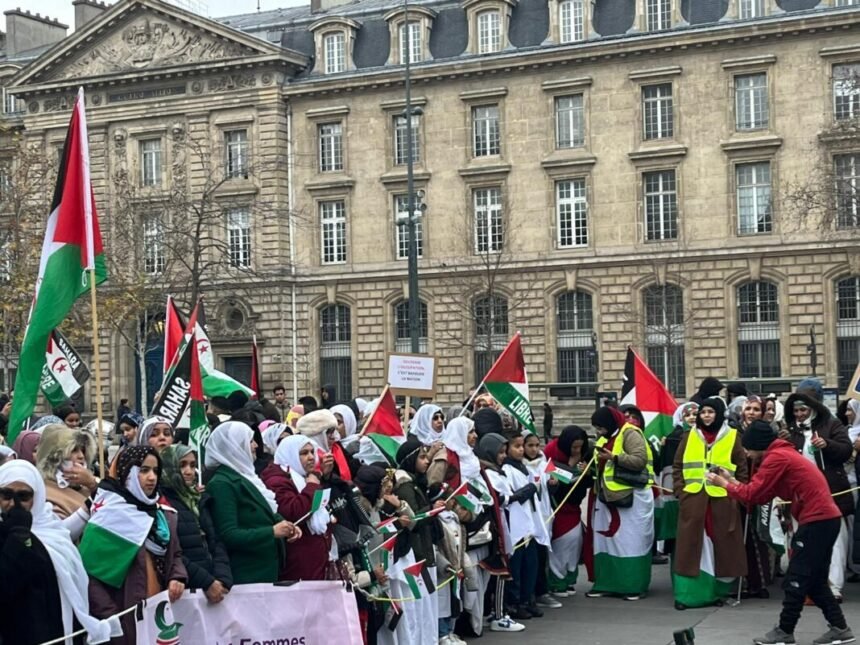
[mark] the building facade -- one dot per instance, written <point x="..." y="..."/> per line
<point x="679" y="176"/>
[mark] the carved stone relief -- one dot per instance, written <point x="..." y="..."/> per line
<point x="232" y="82"/>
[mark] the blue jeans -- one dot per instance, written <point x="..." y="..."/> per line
<point x="446" y="626"/>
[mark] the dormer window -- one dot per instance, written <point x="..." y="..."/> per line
<point x="571" y="21"/>
<point x="409" y="37"/>
<point x="335" y="56"/>
<point x="410" y="43"/>
<point x="488" y="24"/>
<point x="658" y="14"/>
<point x="489" y="32"/>
<point x="334" y="38"/>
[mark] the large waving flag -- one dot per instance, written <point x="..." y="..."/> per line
<point x="508" y="384"/>
<point x="72" y="247"/>
<point x="383" y="427"/>
<point x="199" y="429"/>
<point x="176" y="389"/>
<point x="643" y="389"/>
<point x="215" y="382"/>
<point x="174" y="329"/>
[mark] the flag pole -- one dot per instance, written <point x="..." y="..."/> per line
<point x="98" y="374"/>
<point x="484" y="380"/>
<point x="373" y="414"/>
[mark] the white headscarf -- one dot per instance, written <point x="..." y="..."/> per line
<point x="361" y="404"/>
<point x="455" y="438"/>
<point x="422" y="425"/>
<point x="270" y="436"/>
<point x="230" y="445"/>
<point x="348" y="416"/>
<point x="854" y="428"/>
<point x="287" y="456"/>
<point x="146" y="430"/>
<point x="72" y="578"/>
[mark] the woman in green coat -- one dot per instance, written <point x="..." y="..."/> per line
<point x="244" y="511"/>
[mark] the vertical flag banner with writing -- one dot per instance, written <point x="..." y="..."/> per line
<point x="64" y="372"/>
<point x="508" y="384"/>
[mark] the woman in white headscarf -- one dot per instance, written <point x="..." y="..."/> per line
<point x="156" y="432"/>
<point x="459" y="438"/>
<point x="295" y="484"/>
<point x="243" y="509"/>
<point x="44" y="586"/>
<point x="427" y="427"/>
<point x="346" y="422"/>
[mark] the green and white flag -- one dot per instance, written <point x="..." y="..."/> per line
<point x="321" y="497"/>
<point x="64" y="372"/>
<point x="215" y="382"/>
<point x="508" y="383"/>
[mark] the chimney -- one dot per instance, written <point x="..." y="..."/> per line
<point x="26" y="31"/>
<point x="87" y="10"/>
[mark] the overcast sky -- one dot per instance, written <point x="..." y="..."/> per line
<point x="63" y="10"/>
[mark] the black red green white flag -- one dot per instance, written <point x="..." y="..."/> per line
<point x="508" y="383"/>
<point x="646" y="391"/>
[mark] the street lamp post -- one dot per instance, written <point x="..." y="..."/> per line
<point x="411" y="222"/>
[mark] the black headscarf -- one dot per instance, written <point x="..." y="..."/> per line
<point x="487" y="421"/>
<point x="719" y="407"/>
<point x="568" y="436"/>
<point x="134" y="456"/>
<point x="609" y="419"/>
<point x="368" y="480"/>
<point x="636" y="412"/>
<point x="407" y="456"/>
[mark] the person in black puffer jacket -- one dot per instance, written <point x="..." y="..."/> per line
<point x="204" y="555"/>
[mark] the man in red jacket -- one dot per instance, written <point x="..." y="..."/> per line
<point x="785" y="473"/>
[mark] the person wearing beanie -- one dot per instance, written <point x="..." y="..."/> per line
<point x="706" y="560"/>
<point x="783" y="472"/>
<point x="623" y="516"/>
<point x="236" y="401"/>
<point x="708" y="388"/>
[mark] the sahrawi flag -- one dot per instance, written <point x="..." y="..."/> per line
<point x="215" y="382"/>
<point x="176" y="388"/>
<point x="114" y="533"/>
<point x="321" y="498"/>
<point x="199" y="429"/>
<point x="508" y="384"/>
<point x="384" y="428"/>
<point x="643" y="389"/>
<point x="418" y="578"/>
<point x="64" y="372"/>
<point x="72" y="247"/>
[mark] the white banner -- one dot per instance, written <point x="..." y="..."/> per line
<point x="306" y="613"/>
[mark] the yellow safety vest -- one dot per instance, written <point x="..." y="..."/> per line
<point x="698" y="457"/>
<point x="618" y="448"/>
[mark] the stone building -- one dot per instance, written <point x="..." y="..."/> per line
<point x="674" y="175"/>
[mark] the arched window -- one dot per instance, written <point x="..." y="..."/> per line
<point x="491" y="331"/>
<point x="575" y="343"/>
<point x="402" y="337"/>
<point x="847" y="328"/>
<point x="664" y="335"/>
<point x="758" y="330"/>
<point x="336" y="350"/>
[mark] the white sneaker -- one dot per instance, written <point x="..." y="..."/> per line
<point x="506" y="624"/>
<point x="445" y="640"/>
<point x="561" y="594"/>
<point x="548" y="601"/>
<point x="456" y="640"/>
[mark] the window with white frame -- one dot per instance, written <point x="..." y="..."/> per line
<point x="575" y="351"/>
<point x="333" y="234"/>
<point x="661" y="205"/>
<point x="758" y="330"/>
<point x="751" y="103"/>
<point x="414" y="47"/>
<point x="401" y="156"/>
<point x="847" y="329"/>
<point x="334" y="46"/>
<point x="754" y="197"/>
<point x="846" y="91"/>
<point x="750" y="9"/>
<point x="847" y="177"/>
<point x="571" y="206"/>
<point x="401" y="215"/>
<point x="153" y="245"/>
<point x="239" y="237"/>
<point x="489" y="232"/>
<point x="485" y="131"/>
<point x="236" y="153"/>
<point x="664" y="334"/>
<point x="336" y="349"/>
<point x="489" y="32"/>
<point x="330" y="137"/>
<point x="658" y="14"/>
<point x="658" y="117"/>
<point x="571" y="21"/>
<point x="491" y="331"/>
<point x="150" y="162"/>
<point x="402" y="332"/>
<point x="569" y="121"/>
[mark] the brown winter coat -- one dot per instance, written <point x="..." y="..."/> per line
<point x="729" y="556"/>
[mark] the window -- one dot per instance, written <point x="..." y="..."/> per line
<point x="485" y="131"/>
<point x="331" y="146"/>
<point x="150" y="162"/>
<point x="571" y="20"/>
<point x="333" y="220"/>
<point x="751" y="106"/>
<point x="401" y="208"/>
<point x="413" y="30"/>
<point x="658" y="14"/>
<point x="664" y="335"/>
<point x="571" y="205"/>
<point x="661" y="205"/>
<point x="576" y="350"/>
<point x="750" y="9"/>
<point x="11" y="104"/>
<point x="847" y="329"/>
<point x="658" y="119"/>
<point x="402" y="337"/>
<point x="758" y="330"/>
<point x="489" y="236"/>
<point x="336" y="350"/>
<point x="153" y="245"/>
<point x="236" y="153"/>
<point x="569" y="122"/>
<point x="491" y="332"/>
<point x="334" y="46"/>
<point x="846" y="91"/>
<point x="847" y="3"/>
<point x="754" y="205"/>
<point x="239" y="237"/>
<point x="847" y="175"/>
<point x="489" y="32"/>
<point x="401" y="156"/>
